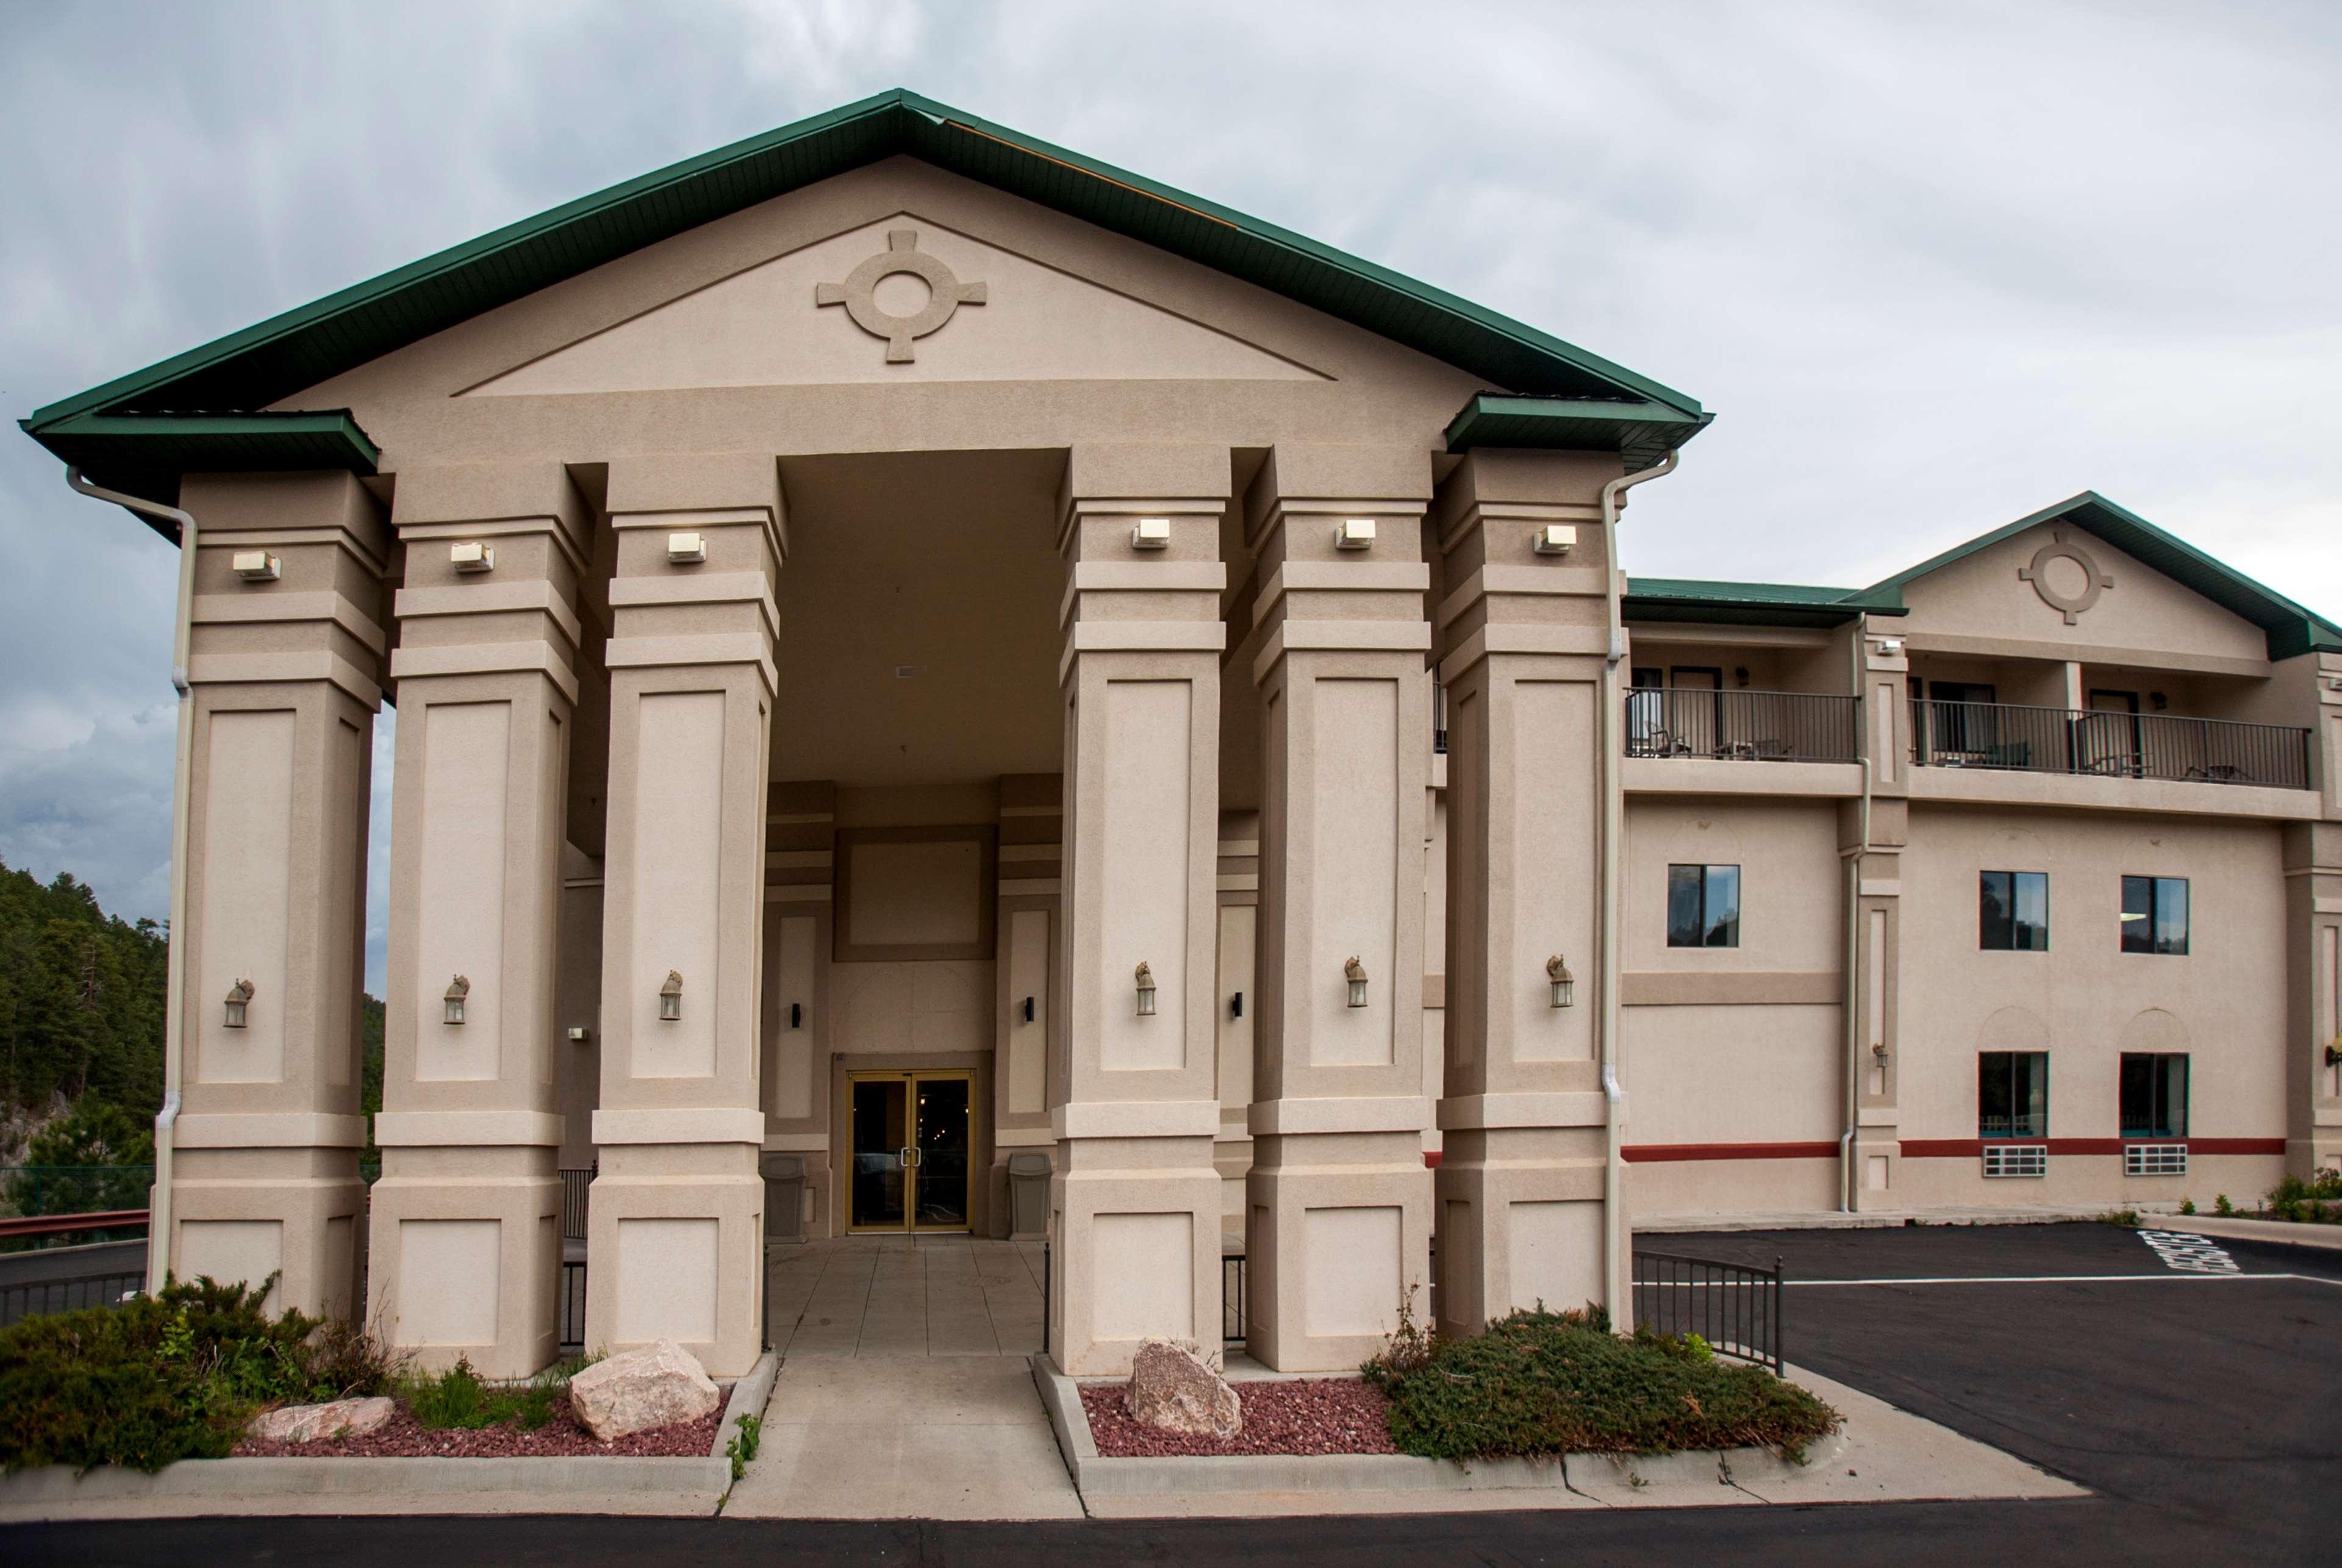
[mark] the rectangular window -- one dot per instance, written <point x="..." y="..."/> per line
<point x="2154" y="914"/>
<point x="2013" y="1094"/>
<point x="2153" y="1096"/>
<point x="2014" y="912"/>
<point x="1703" y="906"/>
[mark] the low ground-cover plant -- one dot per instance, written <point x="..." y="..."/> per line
<point x="167" y="1377"/>
<point x="2315" y="1201"/>
<point x="1540" y="1383"/>
<point x="458" y="1398"/>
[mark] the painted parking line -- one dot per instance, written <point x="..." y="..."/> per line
<point x="2189" y="1254"/>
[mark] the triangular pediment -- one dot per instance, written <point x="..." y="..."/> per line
<point x="902" y="299"/>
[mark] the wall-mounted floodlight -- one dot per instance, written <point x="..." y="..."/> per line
<point x="1554" y="539"/>
<point x="256" y="565"/>
<point x="1152" y="534"/>
<point x="1562" y="985"/>
<point x="457" y="991"/>
<point x="671" y="997"/>
<point x="1354" y="533"/>
<point x="578" y="1033"/>
<point x="1145" y="978"/>
<point x="1356" y="973"/>
<point x="683" y="549"/>
<point x="239" y="1001"/>
<point x="1890" y="647"/>
<point x="472" y="557"/>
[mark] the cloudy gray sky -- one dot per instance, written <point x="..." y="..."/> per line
<point x="1933" y="266"/>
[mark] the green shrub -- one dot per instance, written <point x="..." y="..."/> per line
<point x="457" y="1398"/>
<point x="1539" y="1382"/>
<point x="2120" y="1217"/>
<point x="2186" y="1205"/>
<point x="742" y="1447"/>
<point x="2222" y="1207"/>
<point x="167" y="1377"/>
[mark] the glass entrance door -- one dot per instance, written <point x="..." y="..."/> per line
<point x="910" y="1150"/>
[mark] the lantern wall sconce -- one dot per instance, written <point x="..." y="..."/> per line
<point x="1356" y="973"/>
<point x="2334" y="1055"/>
<point x="1145" y="978"/>
<point x="457" y="990"/>
<point x="1879" y="1050"/>
<point x="1354" y="533"/>
<point x="686" y="549"/>
<point x="473" y="557"/>
<point x="796" y="1014"/>
<point x="239" y="999"/>
<point x="256" y="565"/>
<point x="1560" y="982"/>
<point x="1235" y="1005"/>
<point x="1152" y="534"/>
<point x="671" y="997"/>
<point x="1554" y="539"/>
<point x="1028" y="1009"/>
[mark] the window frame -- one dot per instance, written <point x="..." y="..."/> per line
<point x="2156" y="898"/>
<point x="1703" y="923"/>
<point x="2015" y="882"/>
<point x="2166" y="1128"/>
<point x="2014" y="1131"/>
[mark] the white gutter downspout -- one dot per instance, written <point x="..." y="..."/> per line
<point x="1615" y="1282"/>
<point x="1852" y="857"/>
<point x="175" y="983"/>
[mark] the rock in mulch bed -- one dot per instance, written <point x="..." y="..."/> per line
<point x="404" y="1437"/>
<point x="1329" y="1416"/>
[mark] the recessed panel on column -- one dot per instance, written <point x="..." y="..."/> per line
<point x="1143" y="905"/>
<point x="460" y="922"/>
<point x="1144" y="1274"/>
<point x="1029" y="1039"/>
<point x="232" y="1252"/>
<point x="678" y="855"/>
<point x="1552" y="864"/>
<point x="792" y="979"/>
<point x="1554" y="1250"/>
<point x="1353" y="868"/>
<point x="344" y="906"/>
<point x="1352" y="1259"/>
<point x="450" y="1280"/>
<point x="667" y="1280"/>
<point x="246" y="882"/>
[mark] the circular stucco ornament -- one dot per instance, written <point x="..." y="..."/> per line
<point x="2068" y="580"/>
<point x="859" y="293"/>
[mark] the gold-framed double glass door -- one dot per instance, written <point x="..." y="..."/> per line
<point x="910" y="1150"/>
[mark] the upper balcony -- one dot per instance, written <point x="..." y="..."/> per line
<point x="2111" y="742"/>
<point x="1741" y="725"/>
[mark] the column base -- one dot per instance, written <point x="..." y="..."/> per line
<point x="1338" y="1240"/>
<point x="676" y="1251"/>
<point x="465" y="1257"/>
<point x="1135" y="1238"/>
<point x="1876" y="1161"/>
<point x="1521" y="1219"/>
<point x="246" y="1214"/>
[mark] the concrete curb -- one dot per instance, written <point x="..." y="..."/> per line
<point x="562" y="1486"/>
<point x="2284" y="1233"/>
<point x="1592" y="1474"/>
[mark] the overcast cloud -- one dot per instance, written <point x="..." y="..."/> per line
<point x="1933" y="266"/>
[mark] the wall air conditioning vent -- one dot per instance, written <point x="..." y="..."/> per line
<point x="2155" y="1159"/>
<point x="2017" y="1159"/>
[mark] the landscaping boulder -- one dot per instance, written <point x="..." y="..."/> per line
<point x="650" y="1386"/>
<point x="309" y="1422"/>
<point x="1172" y="1389"/>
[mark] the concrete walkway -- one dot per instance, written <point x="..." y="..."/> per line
<point x="905" y="1388"/>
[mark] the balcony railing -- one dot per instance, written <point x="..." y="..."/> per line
<point x="1755" y="727"/>
<point x="2008" y="737"/>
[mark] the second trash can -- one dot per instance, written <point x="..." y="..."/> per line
<point x="1028" y="1195"/>
<point x="784" y="1183"/>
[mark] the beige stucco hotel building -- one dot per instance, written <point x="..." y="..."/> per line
<point x="913" y="648"/>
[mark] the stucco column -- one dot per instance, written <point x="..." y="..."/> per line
<point x="1520" y="1184"/>
<point x="676" y="1222"/>
<point x="1134" y="1202"/>
<point x="2313" y="906"/>
<point x="1870" y="849"/>
<point x="465" y="1235"/>
<point x="1338" y="1200"/>
<point x="285" y="664"/>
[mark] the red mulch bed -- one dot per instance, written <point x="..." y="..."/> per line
<point x="1328" y="1415"/>
<point x="404" y="1437"/>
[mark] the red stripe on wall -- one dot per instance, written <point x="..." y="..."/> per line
<point x="1642" y="1154"/>
<point x="1973" y="1148"/>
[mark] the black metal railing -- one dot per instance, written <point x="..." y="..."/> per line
<point x="1046" y="1272"/>
<point x="572" y="1307"/>
<point x="1754" y="726"/>
<point x="2107" y="744"/>
<point x="573" y="1185"/>
<point x="34" y="1297"/>
<point x="1232" y="1298"/>
<point x="1735" y="1308"/>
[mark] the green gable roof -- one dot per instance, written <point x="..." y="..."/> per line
<point x="2291" y="628"/>
<point x="1642" y="430"/>
<point x="247" y="370"/>
<point x="1754" y="604"/>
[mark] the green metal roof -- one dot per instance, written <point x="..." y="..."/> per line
<point x="1639" y="429"/>
<point x="2291" y="628"/>
<point x="279" y="356"/>
<point x="1754" y="604"/>
<point x="144" y="453"/>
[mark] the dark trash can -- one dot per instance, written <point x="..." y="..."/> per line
<point x="1028" y="1195"/>
<point x="784" y="1185"/>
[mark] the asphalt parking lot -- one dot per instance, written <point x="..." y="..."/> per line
<point x="2204" y="1410"/>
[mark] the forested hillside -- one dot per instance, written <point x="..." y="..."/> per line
<point x="81" y="1008"/>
